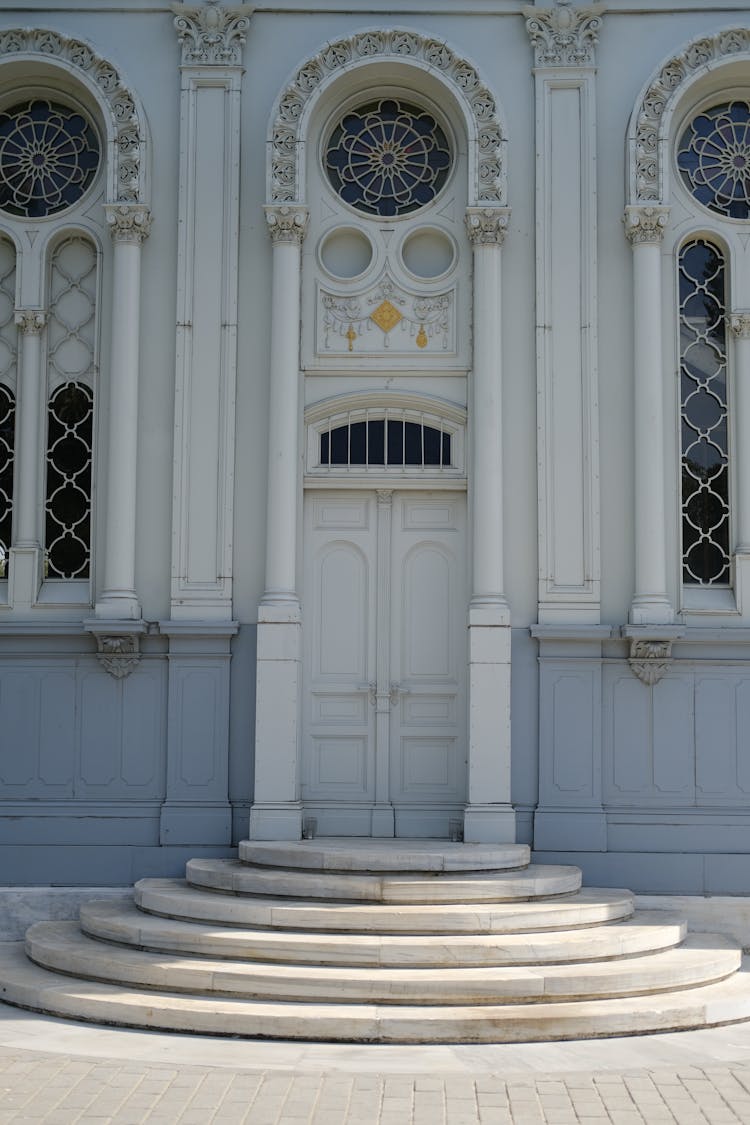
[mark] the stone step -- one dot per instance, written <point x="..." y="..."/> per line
<point x="26" y="984"/>
<point x="61" y="946"/>
<point x="175" y="899"/>
<point x="433" y="887"/>
<point x="374" y="855"/>
<point x="645" y="932"/>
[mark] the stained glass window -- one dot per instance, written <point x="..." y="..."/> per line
<point x="388" y="157"/>
<point x="714" y="158"/>
<point x="705" y="439"/>
<point x="49" y="155"/>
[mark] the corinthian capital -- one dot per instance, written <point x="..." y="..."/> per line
<point x="212" y="35"/>
<point x="287" y="224"/>
<point x="128" y="222"/>
<point x="739" y="324"/>
<point x="563" y="35"/>
<point x="645" y="224"/>
<point x="30" y="321"/>
<point x="486" y="226"/>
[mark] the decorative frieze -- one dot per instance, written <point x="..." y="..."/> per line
<point x="128" y="223"/>
<point x="488" y="180"/>
<point x="386" y="318"/>
<point x="126" y="176"/>
<point x="287" y="224"/>
<point x="650" y="659"/>
<point x="30" y="321"/>
<point x="212" y="35"/>
<point x="563" y="35"/>
<point x="487" y="226"/>
<point x="645" y="224"/>
<point x="739" y="324"/>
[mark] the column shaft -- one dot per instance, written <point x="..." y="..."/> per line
<point x="28" y="464"/>
<point x="740" y="325"/>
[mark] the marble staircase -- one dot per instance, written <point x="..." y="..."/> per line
<point x="378" y="941"/>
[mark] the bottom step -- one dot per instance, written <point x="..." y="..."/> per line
<point x="28" y="986"/>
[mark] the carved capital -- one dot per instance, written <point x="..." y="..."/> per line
<point x="486" y="226"/>
<point x="30" y="321"/>
<point x="645" y="224"/>
<point x="563" y="35"/>
<point x="650" y="659"/>
<point x="128" y="223"/>
<point x="118" y="654"/>
<point x="287" y="224"/>
<point x="212" y="35"/>
<point x="739" y="324"/>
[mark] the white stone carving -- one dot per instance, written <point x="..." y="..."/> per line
<point x="287" y="224"/>
<point x="118" y="654"/>
<point x="739" y="324"/>
<point x="127" y="182"/>
<point x="212" y="35"/>
<point x="563" y="35"/>
<point x="650" y="659"/>
<point x="486" y="226"/>
<point x="645" y="224"/>
<point x="30" y="321"/>
<point x="128" y="223"/>
<point x="647" y="154"/>
<point x="488" y="174"/>
<point x="386" y="317"/>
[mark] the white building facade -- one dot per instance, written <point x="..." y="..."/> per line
<point x="375" y="432"/>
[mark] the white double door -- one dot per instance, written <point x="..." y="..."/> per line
<point x="384" y="700"/>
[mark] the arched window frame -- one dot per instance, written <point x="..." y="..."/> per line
<point x="362" y="407"/>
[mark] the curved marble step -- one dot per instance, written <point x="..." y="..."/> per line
<point x="240" y="879"/>
<point x="175" y="899"/>
<point x="645" y="932"/>
<point x="702" y="959"/>
<point x="28" y="986"/>
<point x="370" y="855"/>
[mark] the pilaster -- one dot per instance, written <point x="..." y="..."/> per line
<point x="739" y="327"/>
<point x="644" y="228"/>
<point x="211" y="38"/>
<point x="489" y="815"/>
<point x="25" y="572"/>
<point x="564" y="39"/>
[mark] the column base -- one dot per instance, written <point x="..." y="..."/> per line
<point x="276" y="822"/>
<point x="25" y="574"/>
<point x="117" y="605"/>
<point x="489" y="824"/>
<point x="651" y="609"/>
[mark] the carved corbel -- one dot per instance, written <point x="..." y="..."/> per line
<point x="650" y="660"/>
<point x="118" y="645"/>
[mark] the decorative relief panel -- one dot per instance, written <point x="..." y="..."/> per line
<point x="212" y="35"/>
<point x="563" y="35"/>
<point x="488" y="174"/>
<point x="386" y="319"/>
<point x="127" y="182"/>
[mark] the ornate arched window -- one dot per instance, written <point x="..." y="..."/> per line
<point x="8" y="364"/>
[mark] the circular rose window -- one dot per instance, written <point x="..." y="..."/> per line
<point x="49" y="156"/>
<point x="714" y="158"/>
<point x="388" y="158"/>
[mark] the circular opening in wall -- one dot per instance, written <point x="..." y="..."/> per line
<point x="346" y="253"/>
<point x="428" y="253"/>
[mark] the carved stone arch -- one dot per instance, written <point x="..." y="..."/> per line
<point x="126" y="173"/>
<point x="485" y="129"/>
<point x="649" y="131"/>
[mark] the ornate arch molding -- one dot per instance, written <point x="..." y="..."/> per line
<point x="125" y="123"/>
<point x="486" y="135"/>
<point x="649" y="129"/>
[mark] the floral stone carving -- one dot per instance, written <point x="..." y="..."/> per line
<point x="563" y="35"/>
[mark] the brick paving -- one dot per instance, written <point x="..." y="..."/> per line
<point x="37" y="1088"/>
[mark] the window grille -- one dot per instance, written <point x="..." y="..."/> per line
<point x="71" y="340"/>
<point x="704" y="415"/>
<point x="385" y="441"/>
<point x="714" y="158"/>
<point x="8" y="362"/>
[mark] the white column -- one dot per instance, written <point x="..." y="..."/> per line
<point x="644" y="227"/>
<point x="277" y="813"/>
<point x="739" y="325"/>
<point x="129" y="225"/>
<point x="489" y="814"/>
<point x="25" y="572"/>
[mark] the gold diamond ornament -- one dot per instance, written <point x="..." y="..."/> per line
<point x="386" y="316"/>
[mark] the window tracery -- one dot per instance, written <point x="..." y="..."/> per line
<point x="713" y="157"/>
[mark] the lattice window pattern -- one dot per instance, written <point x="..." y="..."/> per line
<point x="8" y="364"/>
<point x="387" y="158"/>
<point x="704" y="421"/>
<point x="714" y="158"/>
<point x="385" y="441"/>
<point x="71" y="341"/>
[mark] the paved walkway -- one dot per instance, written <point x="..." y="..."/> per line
<point x="60" y="1072"/>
